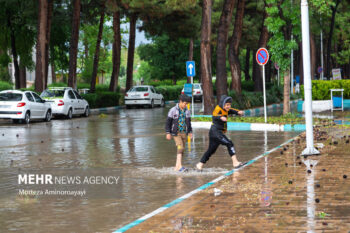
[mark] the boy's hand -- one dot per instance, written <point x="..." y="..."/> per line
<point x="224" y="119"/>
<point x="168" y="136"/>
<point x="190" y="135"/>
<point x="241" y="113"/>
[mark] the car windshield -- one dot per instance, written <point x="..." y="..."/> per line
<point x="52" y="93"/>
<point x="10" y="97"/>
<point x="139" y="89"/>
<point x="196" y="86"/>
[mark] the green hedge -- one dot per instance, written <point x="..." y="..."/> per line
<point x="170" y="92"/>
<point x="5" y="86"/>
<point x="321" y="88"/>
<point x="102" y="99"/>
<point x="256" y="99"/>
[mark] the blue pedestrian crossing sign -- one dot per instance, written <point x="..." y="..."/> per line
<point x="190" y="68"/>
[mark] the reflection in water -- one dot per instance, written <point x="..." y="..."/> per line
<point x="266" y="195"/>
<point x="310" y="203"/>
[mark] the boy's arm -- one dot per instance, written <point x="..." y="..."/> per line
<point x="235" y="111"/>
<point x="189" y="125"/>
<point x="168" y="124"/>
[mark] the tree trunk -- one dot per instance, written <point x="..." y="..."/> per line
<point x="286" y="93"/>
<point x="73" y="50"/>
<point x="246" y="67"/>
<point x="329" y="42"/>
<point x="48" y="37"/>
<point x="206" y="57"/>
<point x="53" y="72"/>
<point x="131" y="51"/>
<point x="235" y="66"/>
<point x="116" y="51"/>
<point x="257" y="69"/>
<point x="190" y="56"/>
<point x="14" y="52"/>
<point x="174" y="80"/>
<point x="97" y="51"/>
<point x="40" y="46"/>
<point x="22" y="77"/>
<point x="221" y="73"/>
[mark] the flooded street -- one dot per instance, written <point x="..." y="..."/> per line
<point x="130" y="140"/>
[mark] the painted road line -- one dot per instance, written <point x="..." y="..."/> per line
<point x="203" y="187"/>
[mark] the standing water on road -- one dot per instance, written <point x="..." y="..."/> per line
<point x="132" y="141"/>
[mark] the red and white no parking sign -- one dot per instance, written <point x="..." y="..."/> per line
<point x="262" y="56"/>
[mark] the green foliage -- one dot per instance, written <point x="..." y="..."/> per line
<point x="17" y="26"/>
<point x="165" y="58"/>
<point x="254" y="99"/>
<point x="89" y="37"/>
<point x="4" y="74"/>
<point x="170" y="92"/>
<point x="321" y="88"/>
<point x="102" y="99"/>
<point x="5" y="86"/>
<point x="280" y="15"/>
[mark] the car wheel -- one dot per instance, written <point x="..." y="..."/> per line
<point x="162" y="103"/>
<point x="87" y="112"/>
<point x="152" y="104"/>
<point x="70" y="114"/>
<point x="48" y="116"/>
<point x="26" y="118"/>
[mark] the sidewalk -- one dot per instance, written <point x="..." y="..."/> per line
<point x="280" y="192"/>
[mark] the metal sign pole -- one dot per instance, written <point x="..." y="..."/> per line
<point x="310" y="150"/>
<point x="265" y="115"/>
<point x="192" y="97"/>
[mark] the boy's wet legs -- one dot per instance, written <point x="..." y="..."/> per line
<point x="180" y="141"/>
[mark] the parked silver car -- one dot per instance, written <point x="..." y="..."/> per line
<point x="66" y="101"/>
<point x="143" y="95"/>
<point x="23" y="106"/>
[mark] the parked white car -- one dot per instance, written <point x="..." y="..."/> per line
<point x="197" y="91"/>
<point x="23" y="106"/>
<point x="66" y="101"/>
<point x="143" y="95"/>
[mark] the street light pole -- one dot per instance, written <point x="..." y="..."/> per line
<point x="291" y="60"/>
<point x="322" y="52"/>
<point x="309" y="150"/>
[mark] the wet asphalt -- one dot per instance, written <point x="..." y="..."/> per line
<point x="130" y="140"/>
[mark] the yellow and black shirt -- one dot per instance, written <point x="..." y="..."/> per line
<point x="220" y="112"/>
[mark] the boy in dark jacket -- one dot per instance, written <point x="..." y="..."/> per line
<point x="217" y="130"/>
<point x="178" y="126"/>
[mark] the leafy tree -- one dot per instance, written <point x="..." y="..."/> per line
<point x="221" y="73"/>
<point x="206" y="57"/>
<point x="165" y="58"/>
<point x="17" y="24"/>
<point x="281" y="15"/>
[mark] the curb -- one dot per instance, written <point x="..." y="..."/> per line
<point x="96" y="111"/>
<point x="205" y="186"/>
<point x="239" y="126"/>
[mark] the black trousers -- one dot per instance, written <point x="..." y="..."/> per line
<point x="217" y="138"/>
